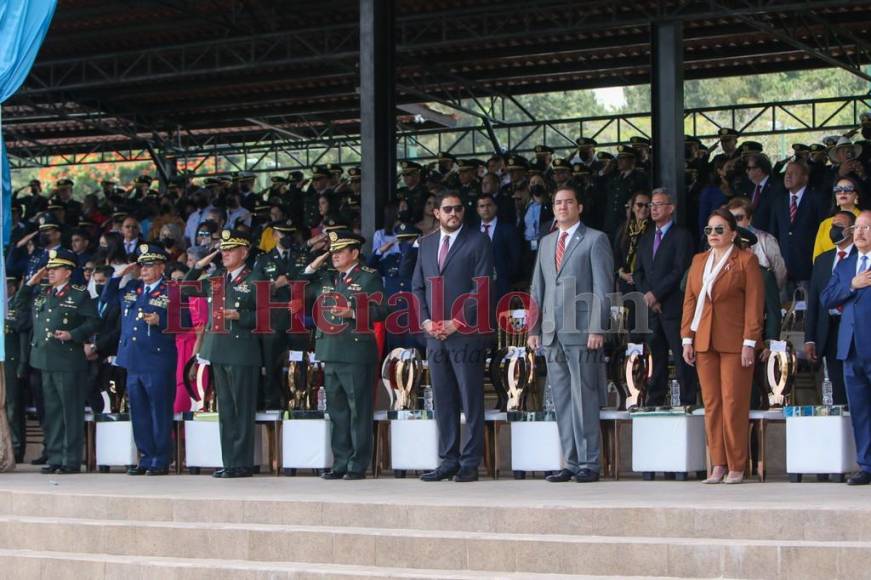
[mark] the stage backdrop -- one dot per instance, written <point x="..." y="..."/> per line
<point x="23" y="24"/>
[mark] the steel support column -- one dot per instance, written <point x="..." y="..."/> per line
<point x="667" y="114"/>
<point x="377" y="110"/>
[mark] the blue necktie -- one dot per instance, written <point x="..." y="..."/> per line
<point x="864" y="264"/>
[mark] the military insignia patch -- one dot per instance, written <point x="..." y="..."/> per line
<point x="225" y="235"/>
<point x="52" y="254"/>
<point x="143" y="248"/>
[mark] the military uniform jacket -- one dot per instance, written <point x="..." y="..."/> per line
<point x="142" y="348"/>
<point x="350" y="345"/>
<point x="72" y="309"/>
<point x="236" y="344"/>
<point x="270" y="266"/>
<point x="13" y="342"/>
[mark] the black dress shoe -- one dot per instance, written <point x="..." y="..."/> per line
<point x="333" y="475"/>
<point x="560" y="477"/>
<point x="158" y="471"/>
<point x="66" y="469"/>
<point x="353" y="476"/>
<point x="860" y="478"/>
<point x="439" y="474"/>
<point x="41" y="460"/>
<point x="136" y="471"/>
<point x="466" y="475"/>
<point x="47" y="469"/>
<point x="219" y="473"/>
<point x="587" y="476"/>
<point x="237" y="472"/>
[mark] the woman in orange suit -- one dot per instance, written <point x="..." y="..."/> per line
<point x="721" y="328"/>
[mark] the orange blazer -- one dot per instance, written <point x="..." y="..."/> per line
<point x="734" y="312"/>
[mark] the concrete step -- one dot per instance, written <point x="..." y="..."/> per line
<point x="31" y="564"/>
<point x="497" y="553"/>
<point x="811" y="523"/>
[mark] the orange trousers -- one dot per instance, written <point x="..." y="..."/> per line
<point x="725" y="388"/>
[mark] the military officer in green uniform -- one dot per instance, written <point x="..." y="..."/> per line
<point x="233" y="350"/>
<point x="13" y="369"/>
<point x="345" y="343"/>
<point x="619" y="187"/>
<point x="413" y="190"/>
<point x="64" y="318"/>
<point x="280" y="266"/>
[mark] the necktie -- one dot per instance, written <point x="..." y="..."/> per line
<point x="841" y="255"/>
<point x="863" y="264"/>
<point x="756" y="193"/>
<point x="443" y="251"/>
<point x="486" y="229"/>
<point x="229" y="279"/>
<point x="793" y="208"/>
<point x="656" y="241"/>
<point x="561" y="250"/>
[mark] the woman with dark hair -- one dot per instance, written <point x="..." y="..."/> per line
<point x="845" y="196"/>
<point x="626" y="242"/>
<point x="325" y="204"/>
<point x="383" y="240"/>
<point x="721" y="329"/>
<point x="428" y="223"/>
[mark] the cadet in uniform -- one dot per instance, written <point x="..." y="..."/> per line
<point x="280" y="266"/>
<point x="414" y="191"/>
<point x="349" y="354"/>
<point x="149" y="355"/>
<point x="13" y="369"/>
<point x="64" y="318"/>
<point x="233" y="351"/>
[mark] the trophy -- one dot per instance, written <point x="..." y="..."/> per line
<point x="114" y="398"/>
<point x="781" y="371"/>
<point x="512" y="365"/>
<point x="639" y="369"/>
<point x="299" y="394"/>
<point x="401" y="375"/>
<point x="200" y="386"/>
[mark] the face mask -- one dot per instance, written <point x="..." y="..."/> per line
<point x="537" y="190"/>
<point x="836" y="234"/>
<point x="167" y="242"/>
<point x="99" y="288"/>
<point x="404" y="216"/>
<point x="286" y="242"/>
<point x="202" y="203"/>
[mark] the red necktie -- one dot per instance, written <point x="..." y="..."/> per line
<point x="793" y="208"/>
<point x="561" y="250"/>
<point x="443" y="251"/>
<point x="756" y="193"/>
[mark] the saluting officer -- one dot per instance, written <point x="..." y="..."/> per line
<point x="280" y="266"/>
<point x="64" y="318"/>
<point x="233" y="351"/>
<point x="345" y="343"/>
<point x="149" y="355"/>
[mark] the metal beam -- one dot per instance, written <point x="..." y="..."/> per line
<point x="377" y="110"/>
<point x="668" y="116"/>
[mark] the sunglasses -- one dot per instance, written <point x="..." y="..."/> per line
<point x="719" y="230"/>
<point x="204" y="234"/>
<point x="451" y="208"/>
<point x="641" y="205"/>
<point x="843" y="189"/>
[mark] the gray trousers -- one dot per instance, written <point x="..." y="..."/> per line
<point x="577" y="379"/>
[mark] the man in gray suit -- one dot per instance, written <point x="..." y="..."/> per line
<point x="454" y="261"/>
<point x="570" y="285"/>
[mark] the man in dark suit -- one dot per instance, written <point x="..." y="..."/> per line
<point x="821" y="325"/>
<point x="453" y="261"/>
<point x="663" y="256"/>
<point x="506" y="245"/>
<point x="795" y="218"/>
<point x="762" y="187"/>
<point x="850" y="289"/>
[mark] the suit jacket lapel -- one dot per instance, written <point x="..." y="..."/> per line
<point x="572" y="243"/>
<point x="724" y="278"/>
<point x="455" y="247"/>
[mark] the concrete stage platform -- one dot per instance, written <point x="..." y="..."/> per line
<point x="100" y="526"/>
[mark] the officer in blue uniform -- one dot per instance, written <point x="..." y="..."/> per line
<point x="149" y="355"/>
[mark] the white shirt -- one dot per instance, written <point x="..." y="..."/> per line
<point x="57" y="289"/>
<point x="571" y="231"/>
<point x="452" y="237"/>
<point x="798" y="196"/>
<point x="235" y="273"/>
<point x="490" y="229"/>
<point x="130" y="246"/>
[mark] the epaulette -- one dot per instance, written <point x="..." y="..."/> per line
<point x="368" y="269"/>
<point x="78" y="287"/>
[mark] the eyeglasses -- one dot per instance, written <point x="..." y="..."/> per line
<point x="658" y="204"/>
<point x="451" y="208"/>
<point x="719" y="230"/>
<point x="862" y="228"/>
<point x="843" y="189"/>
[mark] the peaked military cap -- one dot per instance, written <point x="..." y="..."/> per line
<point x="406" y="231"/>
<point x="150" y="254"/>
<point x="47" y="221"/>
<point x="341" y="239"/>
<point x="61" y="258"/>
<point x="231" y="239"/>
